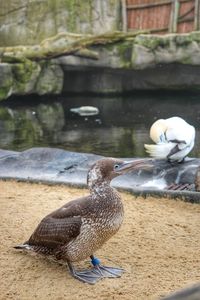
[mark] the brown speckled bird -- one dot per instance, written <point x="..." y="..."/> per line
<point x="80" y="227"/>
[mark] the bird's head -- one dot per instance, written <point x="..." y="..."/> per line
<point x="157" y="131"/>
<point x="106" y="169"/>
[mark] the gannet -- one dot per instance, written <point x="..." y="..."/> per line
<point x="174" y="139"/>
<point x="80" y="227"/>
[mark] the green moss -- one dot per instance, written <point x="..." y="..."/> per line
<point x="6" y="87"/>
<point x="36" y="14"/>
<point x="23" y="73"/>
<point x="72" y="15"/>
<point x="50" y="79"/>
<point x="43" y="19"/>
<point x="84" y="10"/>
<point x="152" y="42"/>
<point x="4" y="114"/>
<point x="4" y="92"/>
<point x="195" y="36"/>
<point x="125" y="53"/>
<point x="7" y="119"/>
<point x="78" y="12"/>
<point x="186" y="61"/>
<point x="184" y="40"/>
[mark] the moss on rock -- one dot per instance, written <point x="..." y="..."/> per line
<point x="29" y="22"/>
<point x="24" y="76"/>
<point x="125" y="54"/>
<point x="6" y="81"/>
<point x="4" y="92"/>
<point x="30" y="77"/>
<point x="50" y="79"/>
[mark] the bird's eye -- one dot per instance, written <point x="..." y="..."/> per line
<point x="116" y="167"/>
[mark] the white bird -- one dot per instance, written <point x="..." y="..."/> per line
<point x="174" y="139"/>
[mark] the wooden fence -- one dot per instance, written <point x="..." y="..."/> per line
<point x="161" y="16"/>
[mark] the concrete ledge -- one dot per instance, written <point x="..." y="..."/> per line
<point x="56" y="166"/>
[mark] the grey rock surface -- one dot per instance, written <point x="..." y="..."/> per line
<point x="25" y="22"/>
<point x="190" y="293"/>
<point x="33" y="78"/>
<point x="56" y="166"/>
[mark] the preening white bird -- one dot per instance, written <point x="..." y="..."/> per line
<point x="174" y="139"/>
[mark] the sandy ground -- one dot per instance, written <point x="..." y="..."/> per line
<point x="158" y="246"/>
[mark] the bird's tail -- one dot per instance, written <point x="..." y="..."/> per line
<point x="159" y="151"/>
<point x="23" y="246"/>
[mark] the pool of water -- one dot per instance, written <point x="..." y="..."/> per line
<point x="120" y="129"/>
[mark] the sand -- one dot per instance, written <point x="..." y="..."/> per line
<point x="157" y="245"/>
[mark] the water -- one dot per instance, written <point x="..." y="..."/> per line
<point x="120" y="129"/>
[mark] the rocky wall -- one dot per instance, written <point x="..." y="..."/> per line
<point x="30" y="78"/>
<point x="31" y="21"/>
<point x="144" y="62"/>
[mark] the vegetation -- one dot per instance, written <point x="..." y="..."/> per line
<point x="63" y="44"/>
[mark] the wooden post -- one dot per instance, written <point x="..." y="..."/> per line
<point x="124" y="16"/>
<point x="197" y="15"/>
<point x="174" y="16"/>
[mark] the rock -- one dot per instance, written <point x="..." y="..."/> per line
<point x="30" y="77"/>
<point x="6" y="80"/>
<point x="142" y="57"/>
<point x="29" y="22"/>
<point x="190" y="293"/>
<point x="167" y="49"/>
<point x="25" y="76"/>
<point x="59" y="166"/>
<point x="108" y="81"/>
<point x="50" y="80"/>
<point x="150" y="62"/>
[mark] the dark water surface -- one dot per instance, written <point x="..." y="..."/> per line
<point x="120" y="129"/>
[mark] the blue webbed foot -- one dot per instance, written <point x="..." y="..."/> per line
<point x="104" y="271"/>
<point x="98" y="272"/>
<point x="90" y="276"/>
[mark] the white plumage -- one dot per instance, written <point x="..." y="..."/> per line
<point x="174" y="139"/>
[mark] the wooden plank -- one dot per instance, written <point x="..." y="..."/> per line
<point x="197" y="15"/>
<point x="149" y="5"/>
<point x="176" y="13"/>
<point x="141" y="16"/>
<point x="124" y="15"/>
<point x="186" y="13"/>
<point x="188" y="19"/>
<point x="171" y="20"/>
<point x="183" y="1"/>
<point x="164" y="29"/>
<point x="174" y="16"/>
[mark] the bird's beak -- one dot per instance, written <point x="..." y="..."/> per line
<point x="137" y="164"/>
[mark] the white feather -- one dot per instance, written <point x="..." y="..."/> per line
<point x="178" y="134"/>
<point x="159" y="150"/>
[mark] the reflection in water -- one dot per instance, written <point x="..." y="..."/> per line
<point x="120" y="129"/>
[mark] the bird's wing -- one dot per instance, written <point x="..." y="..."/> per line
<point x="159" y="151"/>
<point x="180" y="132"/>
<point x="61" y="226"/>
<point x="183" y="136"/>
<point x="52" y="232"/>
